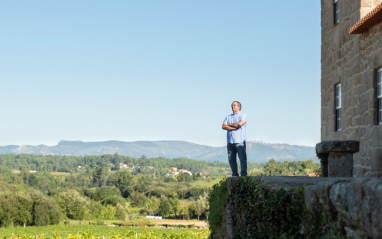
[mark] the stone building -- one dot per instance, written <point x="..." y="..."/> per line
<point x="351" y="87"/>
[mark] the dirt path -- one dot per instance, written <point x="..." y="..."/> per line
<point x="202" y="224"/>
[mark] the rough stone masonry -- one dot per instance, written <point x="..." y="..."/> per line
<point x="352" y="60"/>
<point x="354" y="204"/>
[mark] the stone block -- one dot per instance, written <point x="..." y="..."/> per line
<point x="352" y="134"/>
<point x="355" y="69"/>
<point x="357" y="80"/>
<point x="349" y="146"/>
<point x="376" y="159"/>
<point x="358" y="170"/>
<point x="337" y="157"/>
<point x="340" y="164"/>
<point x="356" y="120"/>
<point x="355" y="5"/>
<point x="346" y="99"/>
<point x="377" y="59"/>
<point x="363" y="104"/>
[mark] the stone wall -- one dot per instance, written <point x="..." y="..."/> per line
<point x="353" y="205"/>
<point x="352" y="60"/>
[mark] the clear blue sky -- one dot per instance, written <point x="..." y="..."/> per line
<point x="158" y="70"/>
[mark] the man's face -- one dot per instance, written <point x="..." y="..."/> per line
<point x="235" y="107"/>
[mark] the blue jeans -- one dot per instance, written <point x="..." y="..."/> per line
<point x="239" y="149"/>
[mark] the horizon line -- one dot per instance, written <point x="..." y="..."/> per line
<point x="63" y="140"/>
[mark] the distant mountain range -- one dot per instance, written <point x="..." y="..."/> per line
<point x="256" y="151"/>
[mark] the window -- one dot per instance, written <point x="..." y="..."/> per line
<point x="379" y="95"/>
<point x="336" y="11"/>
<point x="338" y="107"/>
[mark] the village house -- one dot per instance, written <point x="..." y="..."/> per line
<point x="351" y="88"/>
<point x="121" y="165"/>
<point x="174" y="169"/>
<point x="185" y="171"/>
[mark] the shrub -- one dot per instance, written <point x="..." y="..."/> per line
<point x="217" y="200"/>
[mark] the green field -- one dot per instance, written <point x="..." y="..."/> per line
<point x="95" y="231"/>
<point x="206" y="183"/>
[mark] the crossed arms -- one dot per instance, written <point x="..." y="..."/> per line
<point x="233" y="126"/>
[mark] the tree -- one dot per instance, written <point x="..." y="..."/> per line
<point x="123" y="180"/>
<point x="184" y="211"/>
<point x="164" y="206"/>
<point x="6" y="209"/>
<point x="256" y="172"/>
<point x="184" y="177"/>
<point x="94" y="209"/>
<point x="143" y="182"/>
<point x="273" y="168"/>
<point x="138" y="199"/>
<point x="106" y="192"/>
<point x="72" y="204"/>
<point x="153" y="205"/>
<point x="45" y="210"/>
<point x="175" y="205"/>
<point x="109" y="212"/>
<point x="122" y="211"/>
<point x="201" y="205"/>
<point x="191" y="207"/>
<point x="116" y="160"/>
<point x="100" y="175"/>
<point x="23" y="209"/>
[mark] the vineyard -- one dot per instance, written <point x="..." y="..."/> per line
<point x="99" y="232"/>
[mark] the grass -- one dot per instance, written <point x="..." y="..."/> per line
<point x="205" y="183"/>
<point x="60" y="173"/>
<point x="95" y="231"/>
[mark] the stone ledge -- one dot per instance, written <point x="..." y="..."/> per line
<point x="289" y="181"/>
<point x="348" y="146"/>
<point x="353" y="204"/>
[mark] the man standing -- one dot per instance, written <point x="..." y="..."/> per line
<point x="235" y="125"/>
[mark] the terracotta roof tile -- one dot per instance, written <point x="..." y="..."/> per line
<point x="372" y="18"/>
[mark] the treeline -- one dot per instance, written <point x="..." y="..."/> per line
<point x="286" y="168"/>
<point x="59" y="163"/>
<point x="96" y="193"/>
<point x="28" y="208"/>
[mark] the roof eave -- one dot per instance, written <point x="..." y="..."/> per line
<point x="372" y="18"/>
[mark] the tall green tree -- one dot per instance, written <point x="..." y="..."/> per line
<point x="23" y="209"/>
<point x="164" y="206"/>
<point x="72" y="204"/>
<point x="100" y="176"/>
<point x="45" y="210"/>
<point x="153" y="205"/>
